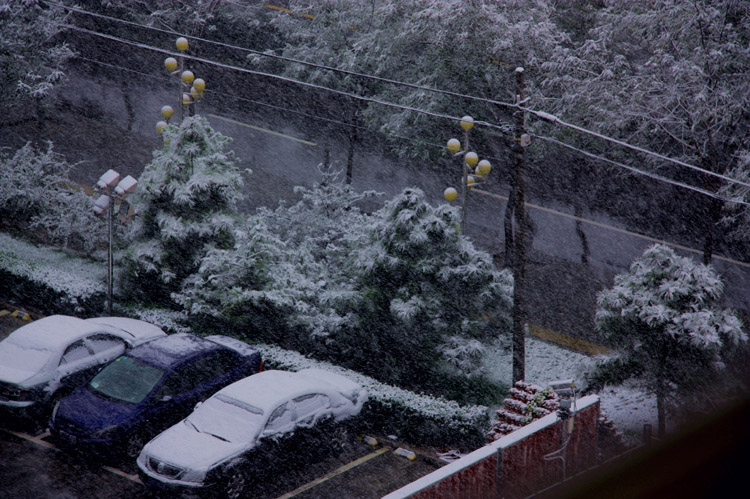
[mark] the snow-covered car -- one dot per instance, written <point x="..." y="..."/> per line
<point x="148" y="389"/>
<point x="47" y="358"/>
<point x="220" y="443"/>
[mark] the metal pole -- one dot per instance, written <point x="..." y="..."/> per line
<point x="519" y="260"/>
<point x="110" y="215"/>
<point x="463" y="184"/>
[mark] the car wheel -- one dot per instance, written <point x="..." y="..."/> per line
<point x="236" y="484"/>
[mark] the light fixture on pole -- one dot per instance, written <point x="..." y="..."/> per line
<point x="112" y="189"/>
<point x="191" y="88"/>
<point x="480" y="169"/>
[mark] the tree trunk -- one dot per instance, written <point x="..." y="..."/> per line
<point x="661" y="413"/>
<point x="350" y="156"/>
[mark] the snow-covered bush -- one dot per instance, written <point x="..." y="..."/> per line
<point x="38" y="200"/>
<point x="184" y="207"/>
<point x="662" y="320"/>
<point x="423" y="290"/>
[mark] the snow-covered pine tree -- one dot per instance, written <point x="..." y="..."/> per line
<point x="32" y="56"/>
<point x="184" y="207"/>
<point x="425" y="292"/>
<point x="661" y="317"/>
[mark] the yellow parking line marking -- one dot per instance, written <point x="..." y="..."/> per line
<point x="265" y="130"/>
<point x="133" y="478"/>
<point x="568" y="341"/>
<point x="30" y="438"/>
<point x="616" y="229"/>
<point x="334" y="473"/>
<point x="38" y="440"/>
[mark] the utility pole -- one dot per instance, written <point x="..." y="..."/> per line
<point x="519" y="239"/>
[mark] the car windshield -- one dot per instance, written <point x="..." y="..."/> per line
<point x="23" y="358"/>
<point x="126" y="379"/>
<point x="227" y="419"/>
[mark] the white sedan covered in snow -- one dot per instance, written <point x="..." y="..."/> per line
<point x="57" y="353"/>
<point x="219" y="444"/>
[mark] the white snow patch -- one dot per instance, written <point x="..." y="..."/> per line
<point x="626" y="406"/>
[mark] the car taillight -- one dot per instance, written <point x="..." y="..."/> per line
<point x="260" y="369"/>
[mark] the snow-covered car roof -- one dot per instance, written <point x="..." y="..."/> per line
<point x="36" y="347"/>
<point x="139" y="330"/>
<point x="58" y="331"/>
<point x="268" y="389"/>
<point x="176" y="348"/>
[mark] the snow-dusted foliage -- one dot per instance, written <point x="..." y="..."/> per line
<point x="424" y="290"/>
<point x="37" y="198"/>
<point x="466" y="47"/>
<point x="58" y="280"/>
<point x="31" y="56"/>
<point x="666" y="75"/>
<point x="195" y="17"/>
<point x="738" y="216"/>
<point x="184" y="207"/>
<point x="290" y="274"/>
<point x="662" y="319"/>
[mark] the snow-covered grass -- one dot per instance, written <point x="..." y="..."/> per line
<point x="628" y="407"/>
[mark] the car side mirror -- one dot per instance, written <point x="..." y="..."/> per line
<point x="197" y="405"/>
<point x="267" y="433"/>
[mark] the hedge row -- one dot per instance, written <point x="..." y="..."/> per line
<point x="57" y="282"/>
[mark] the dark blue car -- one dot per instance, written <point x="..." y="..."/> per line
<point x="149" y="389"/>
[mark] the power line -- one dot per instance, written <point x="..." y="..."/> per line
<point x="540" y="114"/>
<point x="273" y="106"/>
<point x="504" y="128"/>
<point x="554" y="119"/>
<point x="641" y="172"/>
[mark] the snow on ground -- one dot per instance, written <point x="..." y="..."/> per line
<point x="628" y="407"/>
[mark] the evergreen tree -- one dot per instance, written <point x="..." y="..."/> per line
<point x="424" y="293"/>
<point x="663" y="321"/>
<point x="184" y="207"/>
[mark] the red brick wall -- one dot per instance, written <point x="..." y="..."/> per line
<point x="514" y="466"/>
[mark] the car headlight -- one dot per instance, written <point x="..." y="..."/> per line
<point x="194" y="476"/>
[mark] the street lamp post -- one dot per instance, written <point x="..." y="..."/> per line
<point x="191" y="88"/>
<point x="112" y="189"/>
<point x="480" y="169"/>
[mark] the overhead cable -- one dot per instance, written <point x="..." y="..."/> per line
<point x="540" y="114"/>
<point x="504" y="128"/>
<point x="641" y="172"/>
